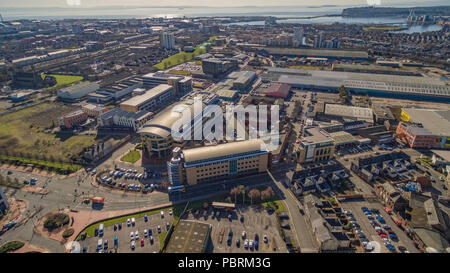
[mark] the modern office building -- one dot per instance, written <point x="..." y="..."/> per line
<point x="3" y="201"/>
<point x="215" y="67"/>
<point x="156" y="135"/>
<point x="317" y="146"/>
<point x="123" y="119"/>
<point x="377" y="85"/>
<point x="205" y="164"/>
<point x="167" y="40"/>
<point x="151" y="100"/>
<point x="78" y="91"/>
<point x="73" y="119"/>
<point x="181" y="84"/>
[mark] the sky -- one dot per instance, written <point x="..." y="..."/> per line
<point x="210" y="3"/>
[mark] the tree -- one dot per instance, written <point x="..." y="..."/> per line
<point x="254" y="194"/>
<point x="235" y="192"/>
<point x="343" y="94"/>
<point x="267" y="194"/>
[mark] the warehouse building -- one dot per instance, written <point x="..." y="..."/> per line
<point x="151" y="100"/>
<point x="349" y="112"/>
<point x="275" y="89"/>
<point x="316" y="53"/>
<point x="121" y="89"/>
<point x="377" y="85"/>
<point x="205" y="164"/>
<point x="78" y="91"/>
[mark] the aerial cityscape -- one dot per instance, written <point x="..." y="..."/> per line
<point x="245" y="128"/>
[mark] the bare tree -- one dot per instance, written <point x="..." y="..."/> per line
<point x="254" y="194"/>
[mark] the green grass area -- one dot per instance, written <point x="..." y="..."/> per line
<point x="276" y="205"/>
<point x="162" y="237"/>
<point x="90" y="229"/>
<point x="182" y="57"/>
<point x="132" y="156"/>
<point x="27" y="131"/>
<point x="43" y="163"/>
<point x="179" y="58"/>
<point x="62" y="80"/>
<point x="11" y="246"/>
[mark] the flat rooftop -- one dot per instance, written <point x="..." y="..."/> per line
<point x="189" y="237"/>
<point x="317" y="52"/>
<point x="316" y="135"/>
<point x="435" y="121"/>
<point x="149" y="95"/>
<point x="359" y="113"/>
<point x="360" y="81"/>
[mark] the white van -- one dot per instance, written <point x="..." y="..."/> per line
<point x="100" y="244"/>
<point x="100" y="230"/>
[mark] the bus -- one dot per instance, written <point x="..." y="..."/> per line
<point x="177" y="189"/>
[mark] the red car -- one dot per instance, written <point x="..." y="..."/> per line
<point x="379" y="231"/>
<point x="383" y="235"/>
<point x="142" y="242"/>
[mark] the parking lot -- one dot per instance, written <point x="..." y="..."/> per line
<point x="255" y="221"/>
<point x="123" y="235"/>
<point x="129" y="179"/>
<point x="369" y="231"/>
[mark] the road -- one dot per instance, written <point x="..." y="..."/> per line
<point x="305" y="238"/>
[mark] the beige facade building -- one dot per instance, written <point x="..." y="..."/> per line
<point x="219" y="162"/>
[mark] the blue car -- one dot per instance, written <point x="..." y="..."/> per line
<point x="116" y="241"/>
<point x="380" y="219"/>
<point x="150" y="232"/>
<point x="390" y="247"/>
<point x="84" y="249"/>
<point x="145" y="218"/>
<point x="364" y="209"/>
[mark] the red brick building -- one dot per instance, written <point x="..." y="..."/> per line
<point x="72" y="119"/>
